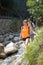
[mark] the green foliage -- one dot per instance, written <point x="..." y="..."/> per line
<point x="33" y="53"/>
<point x="35" y="7"/>
<point x="40" y="59"/>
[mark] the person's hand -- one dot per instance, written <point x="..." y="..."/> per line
<point x="36" y="34"/>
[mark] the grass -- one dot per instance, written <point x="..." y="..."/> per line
<point x="34" y="52"/>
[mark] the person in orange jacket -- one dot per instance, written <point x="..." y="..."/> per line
<point x="25" y="32"/>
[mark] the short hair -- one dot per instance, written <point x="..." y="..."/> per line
<point x="29" y="19"/>
<point x="25" y="21"/>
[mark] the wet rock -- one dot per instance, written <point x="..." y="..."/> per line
<point x="10" y="48"/>
<point x="1" y="48"/>
<point x="15" y="39"/>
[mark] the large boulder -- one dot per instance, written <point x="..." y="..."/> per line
<point x="10" y="48"/>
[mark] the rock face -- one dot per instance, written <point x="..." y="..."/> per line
<point x="8" y="25"/>
<point x="10" y="48"/>
<point x="4" y="25"/>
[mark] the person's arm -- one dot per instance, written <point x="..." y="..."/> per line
<point x="33" y="31"/>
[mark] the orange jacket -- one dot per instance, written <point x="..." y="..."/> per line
<point x="25" y="32"/>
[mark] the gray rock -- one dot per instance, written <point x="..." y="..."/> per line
<point x="15" y="59"/>
<point x="10" y="48"/>
<point x="11" y="36"/>
<point x="15" y="39"/>
<point x="8" y="37"/>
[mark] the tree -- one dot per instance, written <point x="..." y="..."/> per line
<point x="35" y="7"/>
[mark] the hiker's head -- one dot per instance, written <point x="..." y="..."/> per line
<point x="25" y="23"/>
<point x="29" y="20"/>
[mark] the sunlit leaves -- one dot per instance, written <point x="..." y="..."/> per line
<point x="35" y="7"/>
<point x="30" y="3"/>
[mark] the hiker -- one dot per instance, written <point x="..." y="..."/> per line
<point x="32" y="29"/>
<point x="31" y="23"/>
<point x="25" y="32"/>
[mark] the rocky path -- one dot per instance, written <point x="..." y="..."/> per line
<point x="12" y="57"/>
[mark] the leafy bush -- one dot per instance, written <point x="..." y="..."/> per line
<point x="33" y="51"/>
<point x="40" y="59"/>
